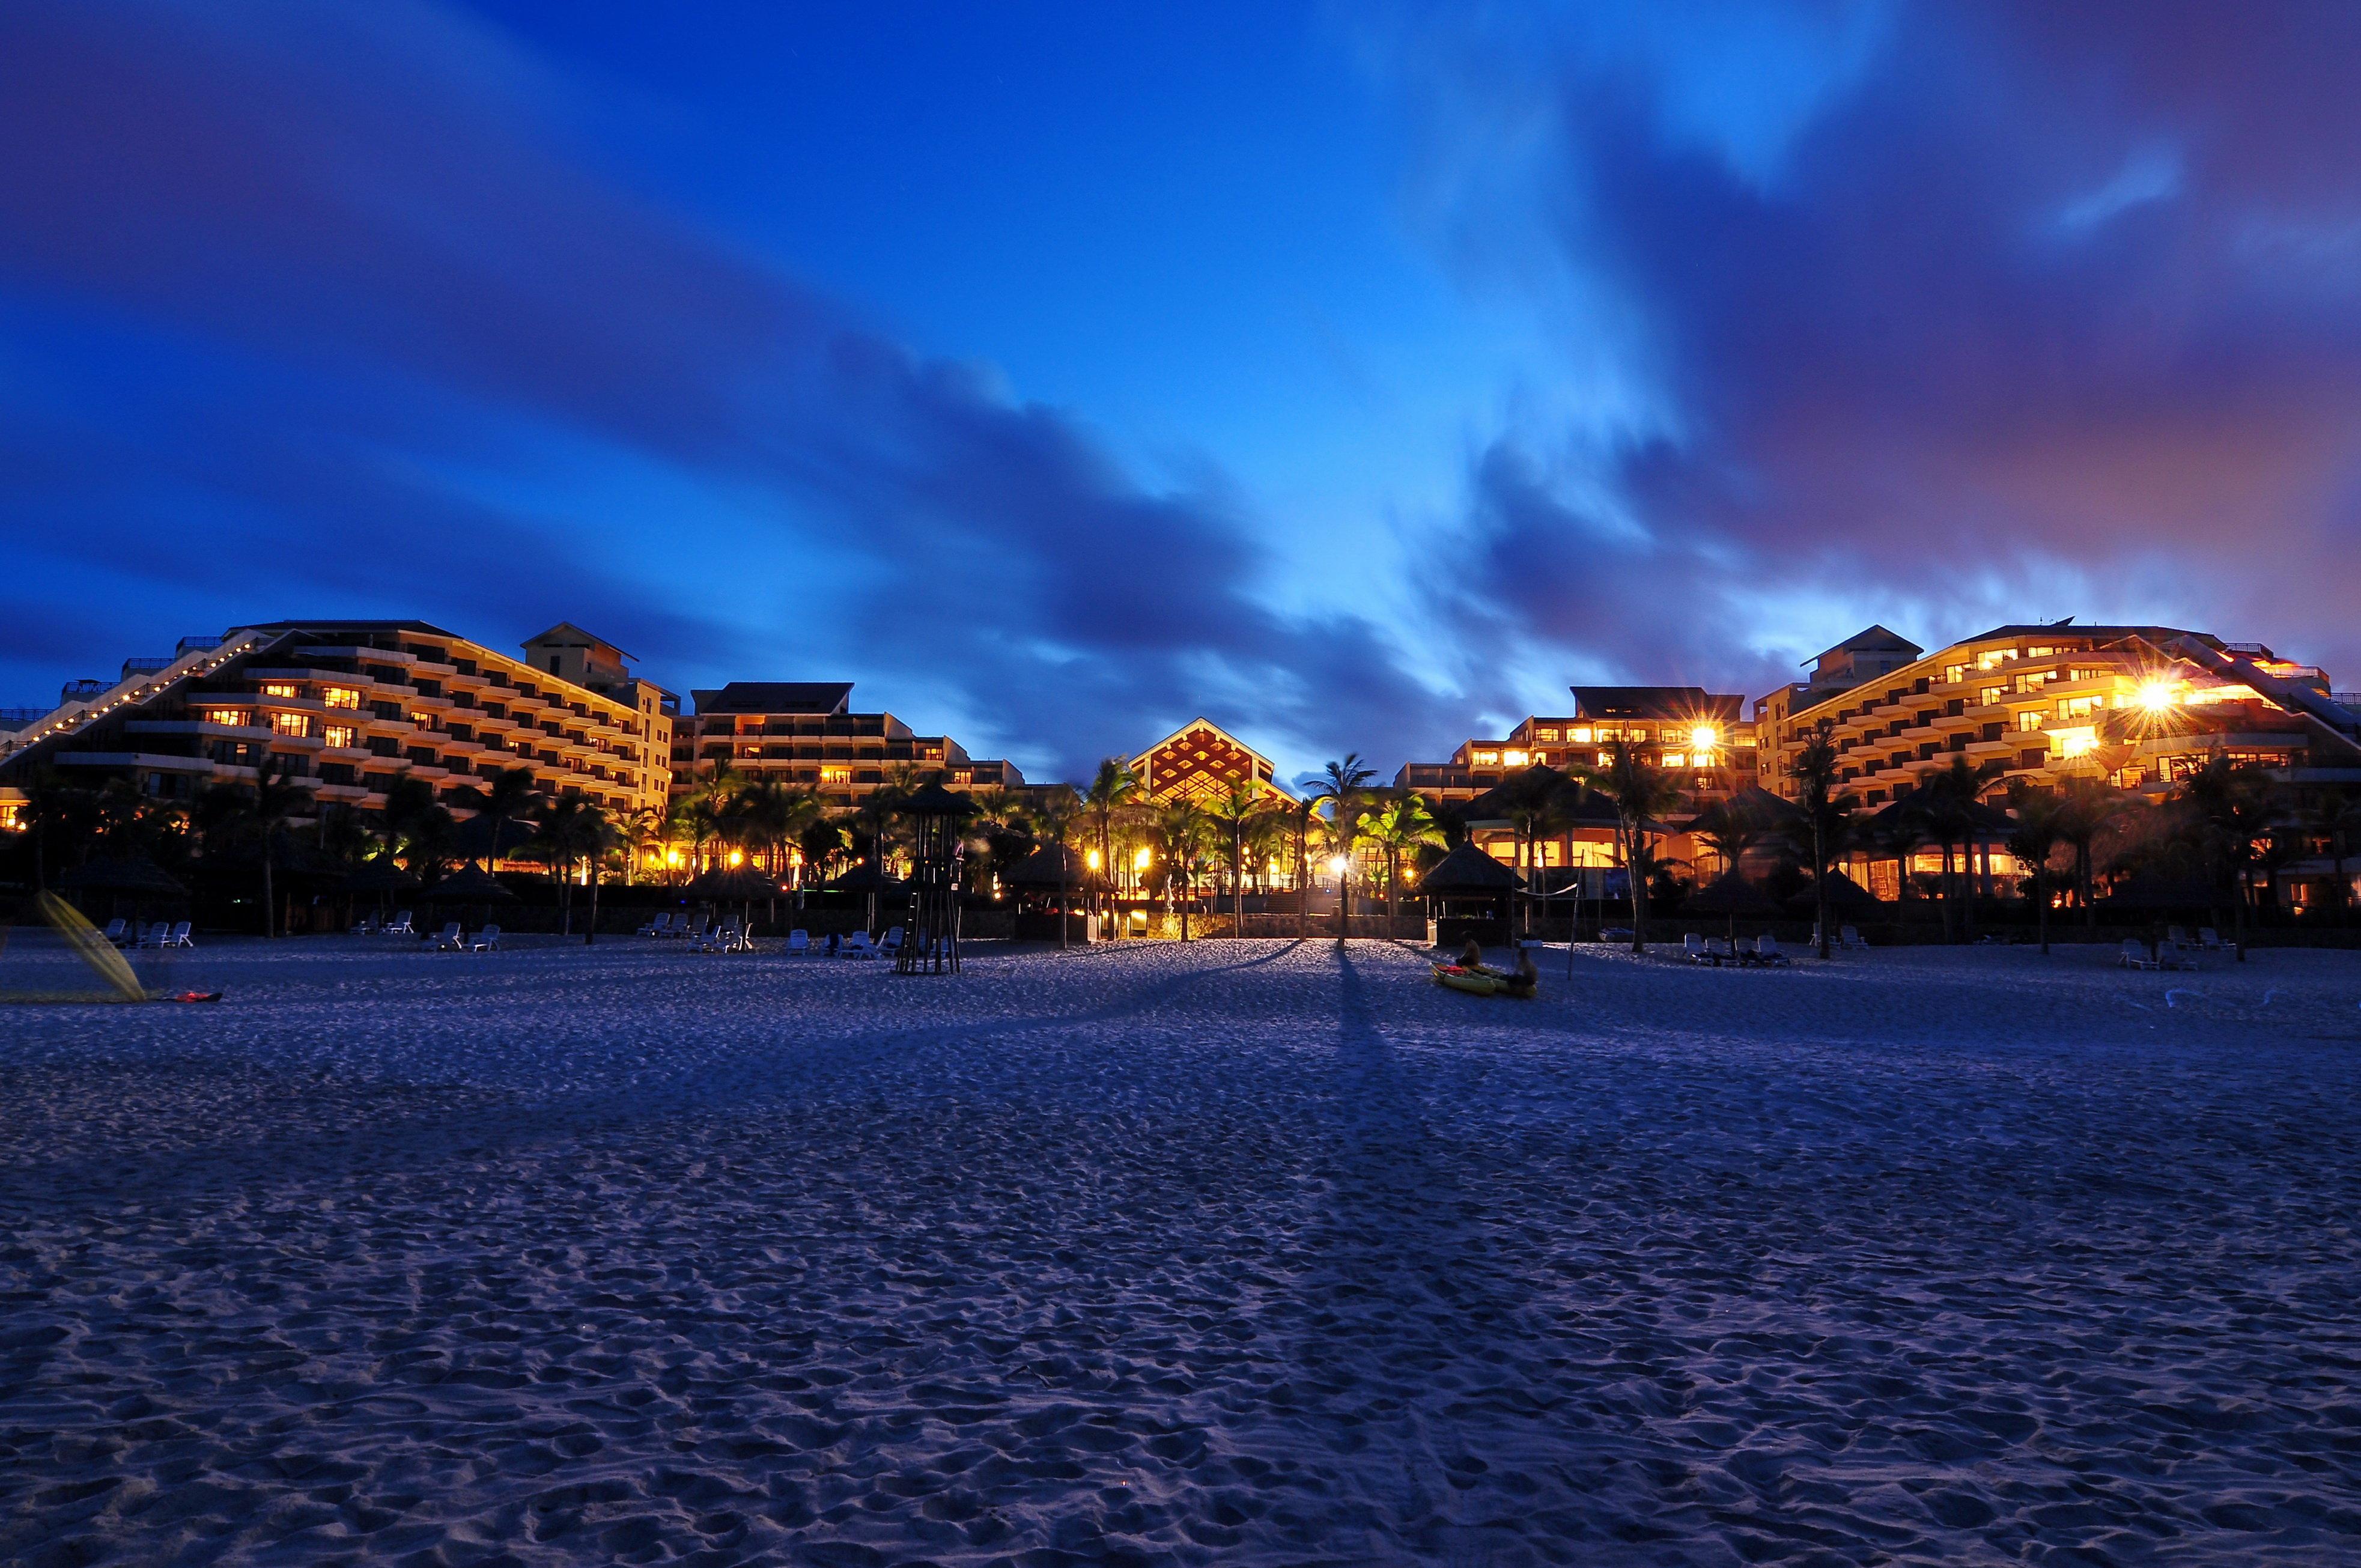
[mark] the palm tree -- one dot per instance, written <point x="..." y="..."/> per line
<point x="1535" y="803"/>
<point x="512" y="797"/>
<point x="1235" y="812"/>
<point x="640" y="831"/>
<point x="2089" y="805"/>
<point x="822" y="843"/>
<point x="1113" y="787"/>
<point x="593" y="835"/>
<point x="1403" y="827"/>
<point x="2040" y="821"/>
<point x="1339" y="783"/>
<point x="1641" y="794"/>
<point x="2335" y="816"/>
<point x="1054" y="821"/>
<point x="1182" y="830"/>
<point x="65" y="814"/>
<point x="1952" y="805"/>
<point x="2237" y="806"/>
<point x="1729" y="828"/>
<point x="1828" y="819"/>
<point x="262" y="814"/>
<point x="557" y="838"/>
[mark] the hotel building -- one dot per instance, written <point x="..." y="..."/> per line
<point x="341" y="709"/>
<point x="804" y="733"/>
<point x="1701" y="737"/>
<point x="2141" y="706"/>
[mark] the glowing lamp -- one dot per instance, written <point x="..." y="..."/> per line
<point x="736" y="857"/>
<point x="1139" y="860"/>
<point x="2157" y="696"/>
<point x="1702" y="737"/>
<point x="1337" y="864"/>
<point x="1092" y="860"/>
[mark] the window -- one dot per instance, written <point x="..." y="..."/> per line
<point x="279" y="688"/>
<point x="2073" y="742"/>
<point x="553" y="663"/>
<point x="2030" y="718"/>
<point x="1701" y="759"/>
<point x="1676" y="760"/>
<point x="339" y="734"/>
<point x="232" y="716"/>
<point x="1547" y="735"/>
<point x="340" y="696"/>
<point x="1954" y="672"/>
<point x="1580" y="737"/>
<point x="1487" y="759"/>
<point x="836" y="776"/>
<point x="1515" y="759"/>
<point x="291" y="724"/>
<point x="1991" y="695"/>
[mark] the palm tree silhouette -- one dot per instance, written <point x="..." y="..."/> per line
<point x="1641" y="794"/>
<point x="1402" y="828"/>
<point x="1113" y="788"/>
<point x="1235" y="812"/>
<point x="512" y="796"/>
<point x="1338" y="784"/>
<point x="1827" y="817"/>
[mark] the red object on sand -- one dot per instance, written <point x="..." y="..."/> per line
<point x="196" y="996"/>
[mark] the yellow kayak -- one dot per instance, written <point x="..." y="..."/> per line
<point x="1481" y="981"/>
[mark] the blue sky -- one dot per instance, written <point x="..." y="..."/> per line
<point x="1359" y="375"/>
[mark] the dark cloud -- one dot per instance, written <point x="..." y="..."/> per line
<point x="381" y="270"/>
<point x="2052" y="300"/>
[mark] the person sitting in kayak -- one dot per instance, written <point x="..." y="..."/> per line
<point x="1471" y="956"/>
<point x="1527" y="980"/>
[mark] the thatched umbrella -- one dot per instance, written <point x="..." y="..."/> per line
<point x="141" y="880"/>
<point x="1732" y="896"/>
<point x="744" y="883"/>
<point x="1846" y="896"/>
<point x="869" y="877"/>
<point x="1469" y="874"/>
<point x="383" y="876"/>
<point x="1054" y="872"/>
<point x="469" y="885"/>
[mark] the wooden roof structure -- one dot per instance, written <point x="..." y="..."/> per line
<point x="1201" y="761"/>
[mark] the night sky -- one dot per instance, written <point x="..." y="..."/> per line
<point x="1357" y="376"/>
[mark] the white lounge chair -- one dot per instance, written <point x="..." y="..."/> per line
<point x="1719" y="950"/>
<point x="2134" y="954"/>
<point x="798" y="945"/>
<point x="2209" y="939"/>
<point x="891" y="944"/>
<point x="488" y="940"/>
<point x="114" y="932"/>
<point x="857" y="946"/>
<point x="2168" y="956"/>
<point x="657" y="926"/>
<point x="178" y="936"/>
<point x="364" y="926"/>
<point x="159" y="935"/>
<point x="1766" y="949"/>
<point x="451" y="939"/>
<point x="401" y="927"/>
<point x="1849" y="938"/>
<point x="2178" y="936"/>
<point x="1692" y="948"/>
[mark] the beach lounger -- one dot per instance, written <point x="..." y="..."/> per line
<point x="857" y="946"/>
<point x="1766" y="949"/>
<point x="893" y="942"/>
<point x="178" y="936"/>
<point x="656" y="925"/>
<point x="1693" y="949"/>
<point x="2177" y="936"/>
<point x="159" y="935"/>
<point x="798" y="945"/>
<point x="364" y="926"/>
<point x="2169" y="956"/>
<point x="451" y="939"/>
<point x="401" y="927"/>
<point x="114" y="932"/>
<point x="1849" y="938"/>
<point x="488" y="940"/>
<point x="2134" y="955"/>
<point x="1719" y="950"/>
<point x="2209" y="939"/>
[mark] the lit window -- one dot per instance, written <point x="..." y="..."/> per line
<point x="1958" y="672"/>
<point x="232" y="716"/>
<point x="1487" y="759"/>
<point x="340" y="735"/>
<point x="2073" y="742"/>
<point x="1551" y="735"/>
<point x="279" y="688"/>
<point x="2031" y="718"/>
<point x="291" y="724"/>
<point x="339" y="697"/>
<point x="1676" y="760"/>
<point x="835" y="775"/>
<point x="1701" y="759"/>
<point x="1515" y="759"/>
<point x="1579" y="737"/>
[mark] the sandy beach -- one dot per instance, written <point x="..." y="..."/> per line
<point x="1237" y="1252"/>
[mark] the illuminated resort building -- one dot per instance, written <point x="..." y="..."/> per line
<point x="804" y="734"/>
<point x="341" y="709"/>
<point x="1699" y="736"/>
<point x="2140" y="707"/>
<point x="1202" y="761"/>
